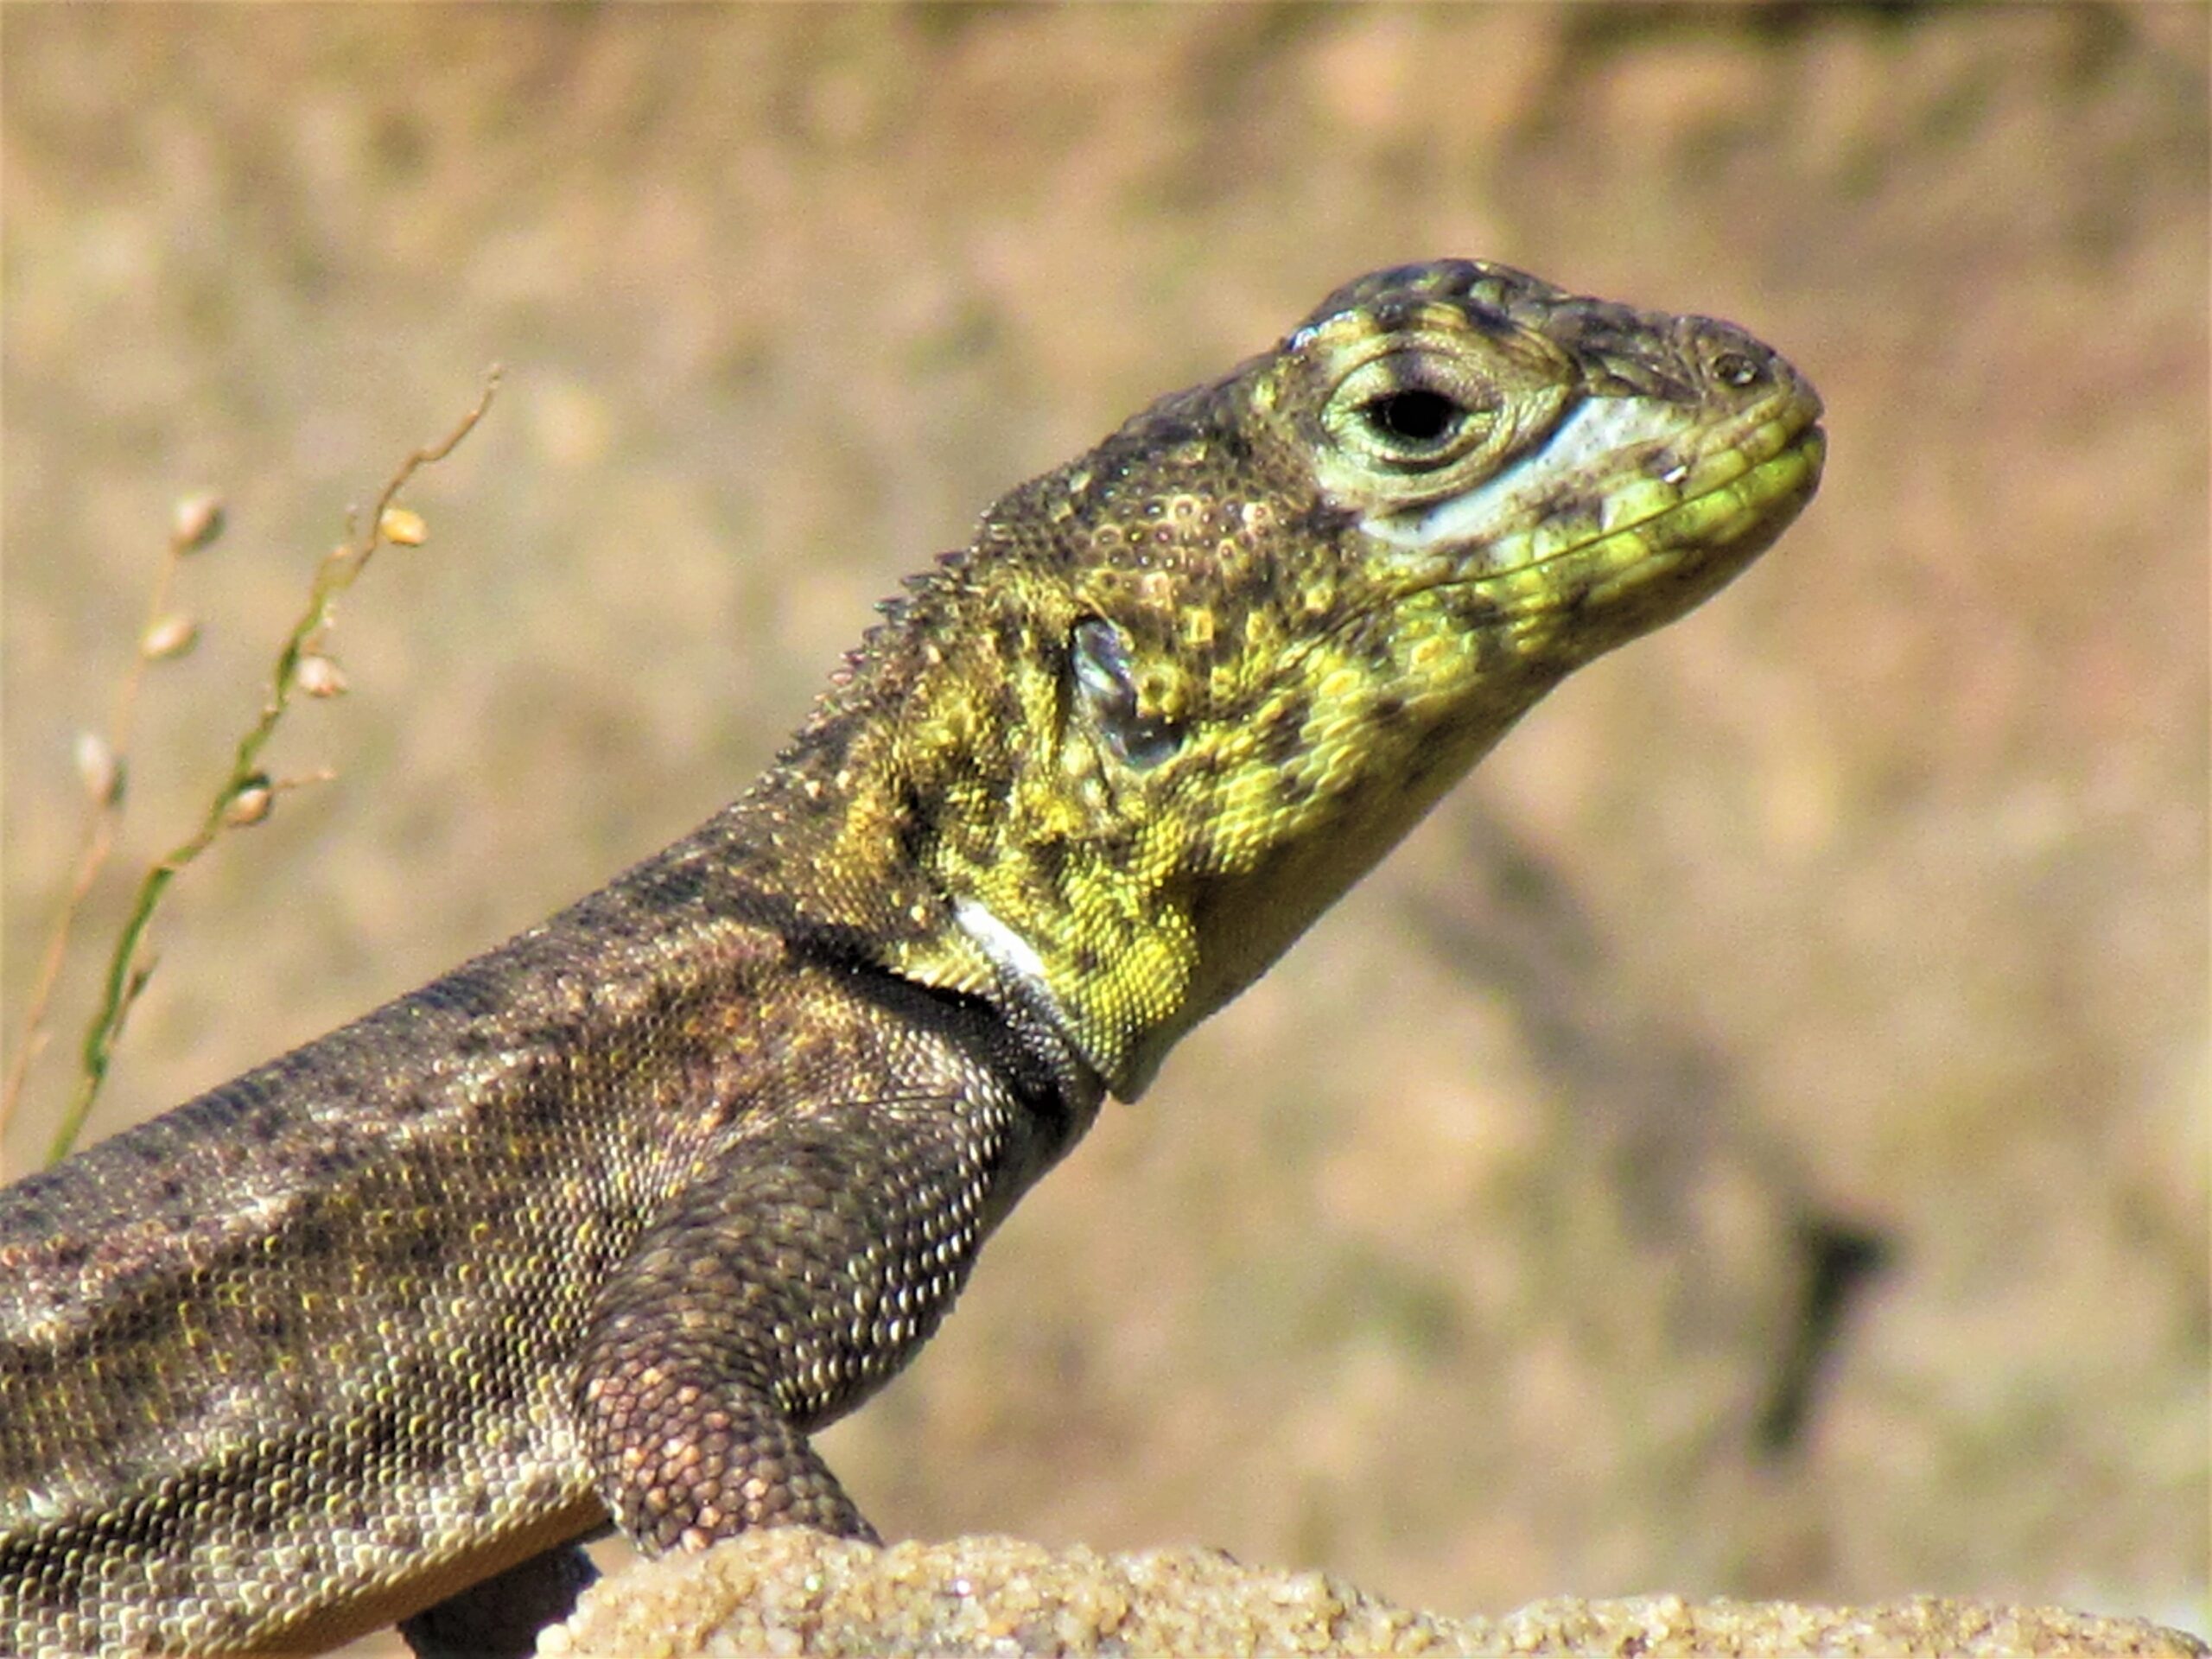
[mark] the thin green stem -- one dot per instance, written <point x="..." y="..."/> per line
<point x="127" y="972"/>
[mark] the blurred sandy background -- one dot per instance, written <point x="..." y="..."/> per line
<point x="1839" y="953"/>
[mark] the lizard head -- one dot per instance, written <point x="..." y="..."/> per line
<point x="1180" y="693"/>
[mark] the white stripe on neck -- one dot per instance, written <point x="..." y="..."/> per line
<point x="1008" y="952"/>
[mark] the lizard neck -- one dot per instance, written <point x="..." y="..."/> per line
<point x="920" y="810"/>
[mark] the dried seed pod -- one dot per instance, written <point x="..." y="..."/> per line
<point x="196" y="522"/>
<point x="173" y="636"/>
<point x="403" y="527"/>
<point x="319" y="676"/>
<point x="250" y="803"/>
<point x="97" y="765"/>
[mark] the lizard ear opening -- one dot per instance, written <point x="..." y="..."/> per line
<point x="1106" y="691"/>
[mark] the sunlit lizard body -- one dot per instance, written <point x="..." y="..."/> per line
<point x="606" y="1221"/>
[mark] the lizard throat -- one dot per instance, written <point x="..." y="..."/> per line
<point x="1104" y="1038"/>
<point x="1024" y="971"/>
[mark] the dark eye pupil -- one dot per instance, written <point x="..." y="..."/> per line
<point x="1413" y="416"/>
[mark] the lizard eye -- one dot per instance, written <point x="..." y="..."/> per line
<point x="1106" y="689"/>
<point x="1412" y="411"/>
<point x="1414" y="419"/>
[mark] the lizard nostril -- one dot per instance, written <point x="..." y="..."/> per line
<point x="1738" y="368"/>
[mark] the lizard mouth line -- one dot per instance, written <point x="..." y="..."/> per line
<point x="1754" y="489"/>
<point x="1765" y="493"/>
<point x="1525" y="532"/>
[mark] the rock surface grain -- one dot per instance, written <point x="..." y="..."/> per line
<point x="798" y="1593"/>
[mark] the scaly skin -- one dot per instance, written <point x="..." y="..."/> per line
<point x="606" y="1221"/>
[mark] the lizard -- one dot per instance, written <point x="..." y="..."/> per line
<point x="606" y="1222"/>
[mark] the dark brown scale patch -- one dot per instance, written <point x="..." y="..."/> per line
<point x="667" y="886"/>
<point x="1050" y="860"/>
<point x="425" y="1242"/>
<point x="1320" y="521"/>
<point x="376" y="1441"/>
<point x="475" y="1041"/>
<point x="411" y="1102"/>
<point x="1374" y="638"/>
<point x="345" y="1091"/>
<point x="1280" y="738"/>
<point x="131" y="1363"/>
<point x="265" y="1124"/>
<point x="315" y="1236"/>
<point x="1391" y="316"/>
<point x="540" y="1109"/>
<point x="1485" y="319"/>
<point x="272" y="1325"/>
<point x="1202" y="765"/>
<point x="1475" y="610"/>
<point x="829" y="742"/>
<point x="474" y="991"/>
<point x="1006" y="707"/>
<point x="1292" y="788"/>
<point x="327" y="1164"/>
<point x="1586" y="506"/>
<point x="560" y="1034"/>
<point x="665" y="1001"/>
<point x="1572" y="601"/>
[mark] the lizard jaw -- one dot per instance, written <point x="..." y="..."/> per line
<point x="1610" y="469"/>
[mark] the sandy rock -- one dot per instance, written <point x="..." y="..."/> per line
<point x="796" y="1593"/>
